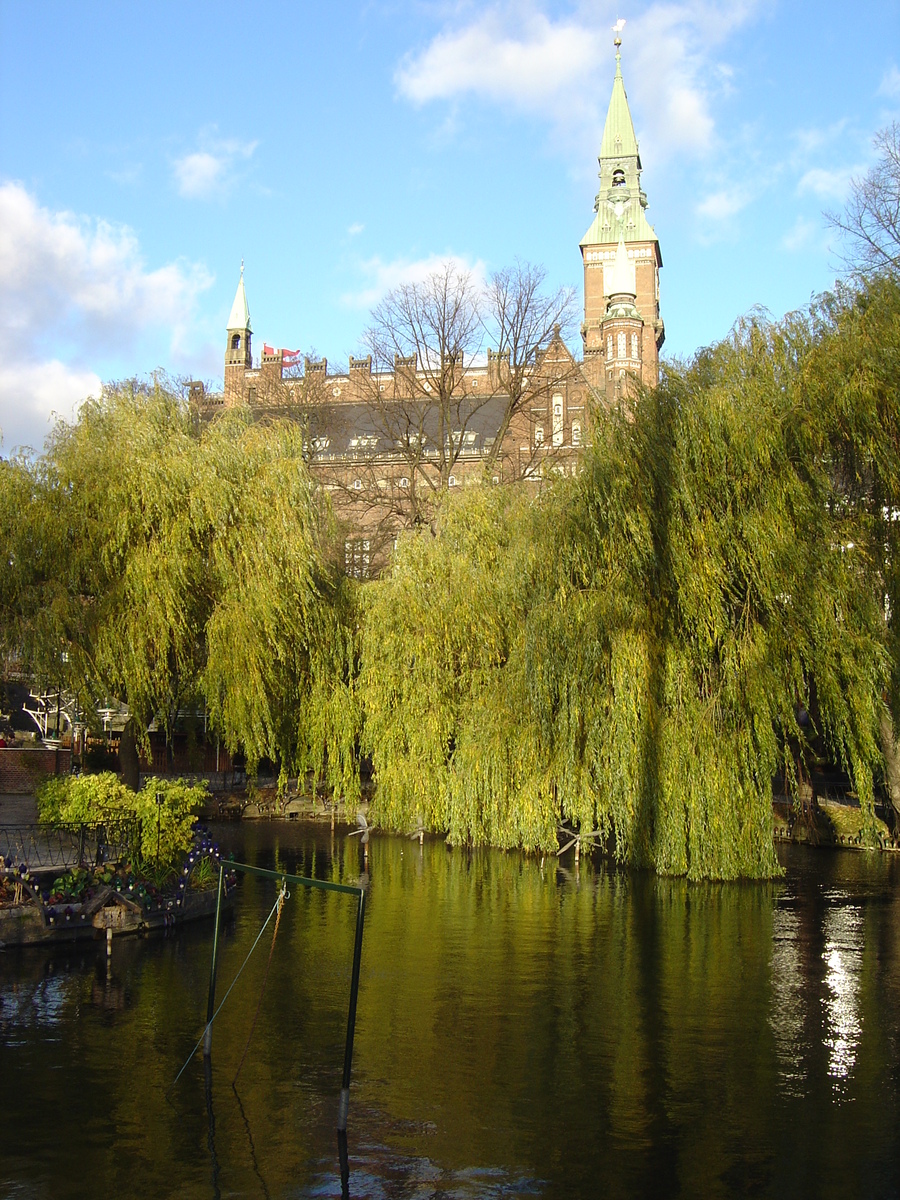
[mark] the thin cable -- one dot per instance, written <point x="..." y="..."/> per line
<point x="228" y="993"/>
<point x="281" y="899"/>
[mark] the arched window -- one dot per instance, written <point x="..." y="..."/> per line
<point x="557" y="420"/>
<point x="404" y="482"/>
<point x="618" y="177"/>
<point x="452" y="481"/>
<point x="621" y="351"/>
<point x="236" y="342"/>
<point x="634" y="345"/>
<point x="609" y="345"/>
<point x="357" y="485"/>
<point x="539" y="435"/>
<point x="576" y="433"/>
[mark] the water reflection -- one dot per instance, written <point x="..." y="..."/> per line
<point x="789" y="1000"/>
<point x="843" y="960"/>
<point x="521" y="1032"/>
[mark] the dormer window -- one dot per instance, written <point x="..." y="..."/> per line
<point x="618" y="177"/>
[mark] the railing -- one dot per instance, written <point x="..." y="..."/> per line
<point x="63" y="846"/>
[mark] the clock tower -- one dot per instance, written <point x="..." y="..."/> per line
<point x="622" y="329"/>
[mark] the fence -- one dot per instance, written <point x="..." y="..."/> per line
<point x="61" y="847"/>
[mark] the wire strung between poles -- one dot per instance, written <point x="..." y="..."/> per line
<point x="275" y="908"/>
<point x="283" y="895"/>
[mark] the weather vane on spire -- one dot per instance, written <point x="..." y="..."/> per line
<point x="617" y="30"/>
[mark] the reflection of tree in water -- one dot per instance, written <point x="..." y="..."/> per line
<point x="519" y="1032"/>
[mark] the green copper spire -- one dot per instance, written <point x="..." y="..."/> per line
<point x="620" y="203"/>
<point x="618" y="132"/>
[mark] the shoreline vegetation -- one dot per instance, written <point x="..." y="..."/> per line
<point x="636" y="651"/>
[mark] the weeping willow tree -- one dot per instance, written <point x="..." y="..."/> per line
<point x="165" y="565"/>
<point x="632" y="653"/>
<point x="437" y="635"/>
<point x="279" y="679"/>
<point x="852" y="377"/>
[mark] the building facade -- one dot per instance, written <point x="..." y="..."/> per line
<point x="385" y="437"/>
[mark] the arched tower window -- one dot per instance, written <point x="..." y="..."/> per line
<point x="609" y="345"/>
<point x="236" y="342"/>
<point x="634" y="345"/>
<point x="621" y="351"/>
<point x="618" y="179"/>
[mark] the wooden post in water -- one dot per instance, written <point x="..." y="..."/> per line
<point x="211" y="999"/>
<point x="344" y="1104"/>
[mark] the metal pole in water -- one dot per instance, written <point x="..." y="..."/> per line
<point x="211" y="1001"/>
<point x="344" y="1105"/>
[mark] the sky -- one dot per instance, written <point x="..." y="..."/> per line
<point x="341" y="149"/>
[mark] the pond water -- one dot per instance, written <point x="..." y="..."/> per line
<point x="522" y="1031"/>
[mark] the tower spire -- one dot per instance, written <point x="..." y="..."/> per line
<point x="239" y="318"/>
<point x="622" y="328"/>
<point x="238" y="344"/>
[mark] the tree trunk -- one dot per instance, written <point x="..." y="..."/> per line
<point x="891" y="764"/>
<point x="129" y="763"/>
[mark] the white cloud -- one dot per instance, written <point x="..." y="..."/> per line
<point x="75" y="293"/>
<point x="210" y="171"/>
<point x="801" y="234"/>
<point x="723" y="204"/>
<point x="890" y="83"/>
<point x="831" y="185"/>
<point x="515" y="54"/>
<point x="32" y="395"/>
<point x="527" y="62"/>
<point x="380" y="276"/>
<point x="355" y="229"/>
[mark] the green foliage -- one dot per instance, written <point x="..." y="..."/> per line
<point x="630" y="654"/>
<point x="176" y="815"/>
<point x="92" y="799"/>
<point x="281" y="649"/>
<point x="159" y="562"/>
<point x="83" y="799"/>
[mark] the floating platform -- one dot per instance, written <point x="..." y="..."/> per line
<point x="33" y="923"/>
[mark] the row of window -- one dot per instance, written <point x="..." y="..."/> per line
<point x="621" y="345"/>
<point x="558" y="434"/>
<point x="403" y="482"/>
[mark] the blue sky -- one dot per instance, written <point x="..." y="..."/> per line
<point x="340" y="149"/>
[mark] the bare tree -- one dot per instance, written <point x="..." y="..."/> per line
<point x="870" y="222"/>
<point x="455" y="362"/>
<point x="522" y="320"/>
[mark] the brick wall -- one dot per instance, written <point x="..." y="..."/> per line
<point x="22" y="768"/>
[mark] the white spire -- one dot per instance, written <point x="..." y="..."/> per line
<point x="240" y="311"/>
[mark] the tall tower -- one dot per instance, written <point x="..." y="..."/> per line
<point x="622" y="329"/>
<point x="238" y="355"/>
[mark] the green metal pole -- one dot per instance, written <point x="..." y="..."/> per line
<point x="344" y="1105"/>
<point x="211" y="1000"/>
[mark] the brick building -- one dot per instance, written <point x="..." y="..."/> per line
<point x="385" y="436"/>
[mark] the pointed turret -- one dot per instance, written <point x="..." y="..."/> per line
<point x="618" y="132"/>
<point x="238" y="346"/>
<point x="621" y="256"/>
<point x="239" y="319"/>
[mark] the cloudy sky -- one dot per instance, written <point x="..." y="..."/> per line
<point x="341" y="148"/>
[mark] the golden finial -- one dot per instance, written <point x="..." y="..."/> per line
<point x="617" y="30"/>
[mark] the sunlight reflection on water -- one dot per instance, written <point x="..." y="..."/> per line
<point x="843" y="961"/>
<point x="786" y="1016"/>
